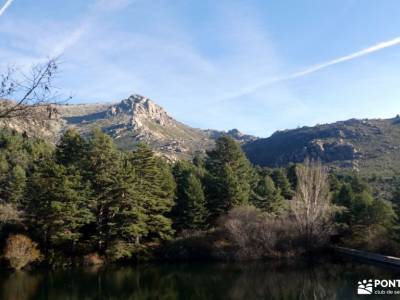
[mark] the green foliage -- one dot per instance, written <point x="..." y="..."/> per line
<point x="395" y="199"/>
<point x="17" y="156"/>
<point x="282" y="182"/>
<point x="58" y="204"/>
<point x="86" y="196"/>
<point x="363" y="218"/>
<point x="229" y="177"/>
<point x="16" y="186"/>
<point x="102" y="163"/>
<point x="71" y="148"/>
<point x="334" y="183"/>
<point x="291" y="172"/>
<point x="157" y="186"/>
<point x="190" y="211"/>
<point x="267" y="197"/>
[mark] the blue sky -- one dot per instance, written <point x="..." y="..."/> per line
<point x="255" y="65"/>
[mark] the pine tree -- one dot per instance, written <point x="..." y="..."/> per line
<point x="345" y="196"/>
<point x="267" y="197"/>
<point x="395" y="199"/>
<point x="334" y="183"/>
<point x="190" y="211"/>
<point x="71" y="148"/>
<point x="292" y="176"/>
<point x="282" y="182"/>
<point x="16" y="185"/>
<point x="58" y="205"/>
<point x="345" y="199"/>
<point x="102" y="164"/>
<point x="196" y="204"/>
<point x="156" y="185"/>
<point x="128" y="219"/>
<point x="229" y="177"/>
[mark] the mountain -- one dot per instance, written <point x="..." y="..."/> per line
<point x="370" y="146"/>
<point x="135" y="119"/>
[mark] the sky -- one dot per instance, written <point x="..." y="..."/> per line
<point x="255" y="65"/>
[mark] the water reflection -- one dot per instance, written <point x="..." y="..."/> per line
<point x="256" y="280"/>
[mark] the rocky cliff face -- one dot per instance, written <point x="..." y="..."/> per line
<point x="128" y="122"/>
<point x="365" y="145"/>
<point x="240" y="137"/>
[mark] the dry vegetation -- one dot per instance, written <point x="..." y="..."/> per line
<point x="20" y="251"/>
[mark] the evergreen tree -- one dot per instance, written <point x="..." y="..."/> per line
<point x="196" y="204"/>
<point x="282" y="182"/>
<point x="345" y="196"/>
<point x="267" y="197"/>
<point x="292" y="176"/>
<point x="71" y="148"/>
<point x="358" y="185"/>
<point x="128" y="219"/>
<point x="344" y="199"/>
<point x="334" y="183"/>
<point x="190" y="211"/>
<point x="395" y="199"/>
<point x="58" y="205"/>
<point x="363" y="218"/>
<point x="14" y="184"/>
<point x="101" y="168"/>
<point x="18" y="154"/>
<point x="156" y="185"/>
<point x="229" y="177"/>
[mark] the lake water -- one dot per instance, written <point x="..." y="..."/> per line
<point x="333" y="279"/>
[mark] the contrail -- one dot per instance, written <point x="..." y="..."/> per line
<point x="72" y="38"/>
<point x="5" y="6"/>
<point x="342" y="59"/>
<point x="312" y="69"/>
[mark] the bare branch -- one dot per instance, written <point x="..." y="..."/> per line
<point x="23" y="93"/>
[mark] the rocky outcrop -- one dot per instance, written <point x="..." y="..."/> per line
<point x="240" y="137"/>
<point x="365" y="145"/>
<point x="135" y="119"/>
<point x="329" y="151"/>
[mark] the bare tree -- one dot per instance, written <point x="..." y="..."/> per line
<point x="311" y="206"/>
<point x="21" y="93"/>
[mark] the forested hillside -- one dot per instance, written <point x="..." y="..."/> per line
<point x="84" y="201"/>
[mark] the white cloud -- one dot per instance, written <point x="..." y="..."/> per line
<point x="162" y="58"/>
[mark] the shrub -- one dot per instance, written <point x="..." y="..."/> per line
<point x="8" y="213"/>
<point x="119" y="250"/>
<point x="20" y="251"/>
<point x="93" y="259"/>
<point x="189" y="246"/>
<point x="249" y="233"/>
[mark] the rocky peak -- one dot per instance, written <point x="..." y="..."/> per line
<point x="132" y="120"/>
<point x="140" y="109"/>
<point x="240" y="136"/>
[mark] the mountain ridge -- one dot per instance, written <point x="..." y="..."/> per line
<point x="132" y="120"/>
<point x="364" y="145"/>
